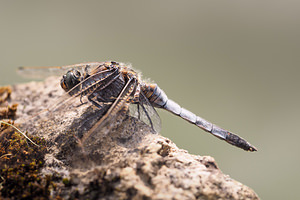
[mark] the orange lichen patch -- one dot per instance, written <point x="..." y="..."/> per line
<point x="5" y="93"/>
<point x="8" y="112"/>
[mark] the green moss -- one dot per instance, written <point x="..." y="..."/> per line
<point x="20" y="164"/>
<point x="66" y="181"/>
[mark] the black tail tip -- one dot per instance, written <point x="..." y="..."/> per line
<point x="239" y="142"/>
<point x="252" y="149"/>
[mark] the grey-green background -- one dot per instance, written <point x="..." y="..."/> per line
<point x="235" y="63"/>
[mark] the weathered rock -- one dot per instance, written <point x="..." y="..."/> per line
<point x="128" y="162"/>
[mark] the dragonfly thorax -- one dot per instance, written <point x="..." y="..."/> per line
<point x="70" y="79"/>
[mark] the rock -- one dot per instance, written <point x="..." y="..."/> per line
<point x="127" y="161"/>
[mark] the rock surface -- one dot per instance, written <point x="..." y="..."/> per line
<point x="129" y="162"/>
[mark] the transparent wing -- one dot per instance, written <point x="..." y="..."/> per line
<point x="99" y="81"/>
<point x="44" y="72"/>
<point x="145" y="112"/>
<point x="117" y="109"/>
<point x="107" y="112"/>
<point x="68" y="104"/>
<point x="120" y="108"/>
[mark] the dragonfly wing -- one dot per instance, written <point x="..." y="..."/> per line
<point x="117" y="110"/>
<point x="144" y="111"/>
<point x="97" y="81"/>
<point x="78" y="96"/>
<point x="44" y="72"/>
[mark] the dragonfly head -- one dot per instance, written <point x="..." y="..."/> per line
<point x="70" y="79"/>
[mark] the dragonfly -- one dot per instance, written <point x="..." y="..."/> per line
<point x="117" y="85"/>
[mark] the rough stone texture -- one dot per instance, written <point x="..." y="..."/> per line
<point x="126" y="161"/>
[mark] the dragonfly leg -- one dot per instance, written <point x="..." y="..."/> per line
<point x="86" y="72"/>
<point x="147" y="114"/>
<point x="136" y="95"/>
<point x="105" y="83"/>
<point x="96" y="81"/>
<point x="136" y="100"/>
<point x="81" y="89"/>
<point x="81" y="79"/>
<point x="138" y="110"/>
<point x="117" y="105"/>
<point x="90" y="98"/>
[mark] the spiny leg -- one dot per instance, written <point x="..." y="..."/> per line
<point x="90" y="98"/>
<point x="136" y="100"/>
<point x="75" y="92"/>
<point x="147" y="114"/>
<point x="85" y="76"/>
<point x="110" y="80"/>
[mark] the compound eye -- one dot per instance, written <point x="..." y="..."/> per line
<point x="69" y="80"/>
<point x="77" y="74"/>
<point x="74" y="78"/>
<point x="63" y="83"/>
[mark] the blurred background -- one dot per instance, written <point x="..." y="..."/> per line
<point x="235" y="63"/>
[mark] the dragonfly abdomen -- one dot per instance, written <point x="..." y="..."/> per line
<point x="158" y="98"/>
